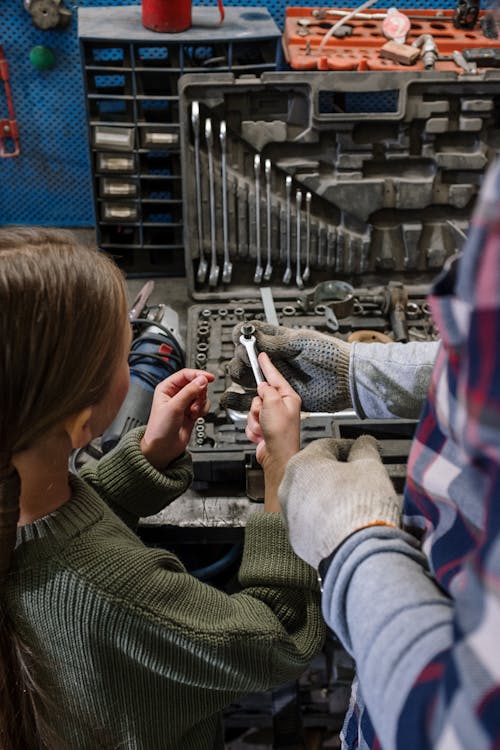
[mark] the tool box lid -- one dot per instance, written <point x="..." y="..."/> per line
<point x="371" y="175"/>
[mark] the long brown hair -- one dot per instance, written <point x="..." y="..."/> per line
<point x="62" y="307"/>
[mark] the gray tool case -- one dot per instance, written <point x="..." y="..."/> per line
<point x="330" y="200"/>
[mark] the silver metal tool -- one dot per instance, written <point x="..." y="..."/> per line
<point x="287" y="276"/>
<point x="307" y="271"/>
<point x="459" y="59"/>
<point x="227" y="268"/>
<point x="195" y="121"/>
<point x="247" y="339"/>
<point x="140" y="300"/>
<point x="298" y="274"/>
<point x="267" y="171"/>
<point x="258" y="268"/>
<point x="213" y="277"/>
<point x="270" y="313"/>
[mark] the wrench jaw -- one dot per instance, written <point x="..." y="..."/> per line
<point x="201" y="274"/>
<point x="248" y="341"/>
<point x="258" y="275"/>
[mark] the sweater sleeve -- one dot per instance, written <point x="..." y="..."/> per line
<point x="130" y="485"/>
<point x="389" y="381"/>
<point x="212" y="646"/>
<point x="426" y="663"/>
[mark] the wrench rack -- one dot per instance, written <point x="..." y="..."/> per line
<point x="371" y="175"/>
<point x="221" y="452"/>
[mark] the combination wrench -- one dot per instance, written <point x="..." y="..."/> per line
<point x="227" y="268"/>
<point x="258" y="268"/>
<point x="213" y="277"/>
<point x="267" y="170"/>
<point x="287" y="276"/>
<point x="307" y="271"/>
<point x="195" y="121"/>
<point x="298" y="275"/>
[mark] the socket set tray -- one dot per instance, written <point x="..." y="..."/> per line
<point x="222" y="455"/>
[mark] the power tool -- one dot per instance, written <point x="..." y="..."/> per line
<point x="157" y="351"/>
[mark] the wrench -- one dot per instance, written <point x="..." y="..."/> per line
<point x="227" y="268"/>
<point x="307" y="271"/>
<point x="258" y="268"/>
<point x="195" y="121"/>
<point x="267" y="170"/>
<point x="213" y="277"/>
<point x="298" y="276"/>
<point x="287" y="276"/>
<point x="247" y="339"/>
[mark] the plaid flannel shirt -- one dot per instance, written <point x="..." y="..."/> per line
<point x="452" y="496"/>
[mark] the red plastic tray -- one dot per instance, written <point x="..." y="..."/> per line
<point x="361" y="50"/>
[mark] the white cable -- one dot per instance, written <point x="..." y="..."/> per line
<point x="342" y="21"/>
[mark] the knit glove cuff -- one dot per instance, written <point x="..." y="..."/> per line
<point x="316" y="365"/>
<point x="330" y="490"/>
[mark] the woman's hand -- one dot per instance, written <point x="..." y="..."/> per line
<point x="274" y="424"/>
<point x="177" y="403"/>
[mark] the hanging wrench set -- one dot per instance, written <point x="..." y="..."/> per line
<point x="328" y="201"/>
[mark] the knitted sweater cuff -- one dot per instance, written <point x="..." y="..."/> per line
<point x="268" y="558"/>
<point x="125" y="478"/>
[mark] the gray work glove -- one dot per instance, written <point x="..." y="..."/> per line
<point x="325" y="499"/>
<point x="316" y="365"/>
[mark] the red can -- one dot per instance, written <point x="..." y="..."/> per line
<point x="170" y="16"/>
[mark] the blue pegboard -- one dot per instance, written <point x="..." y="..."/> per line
<point x="49" y="183"/>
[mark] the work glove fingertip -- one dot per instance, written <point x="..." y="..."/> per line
<point x="237" y="401"/>
<point x="363" y="448"/>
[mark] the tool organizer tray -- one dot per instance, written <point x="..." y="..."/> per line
<point x="221" y="452"/>
<point x="367" y="179"/>
<point x="306" y="48"/>
<point x="370" y="176"/>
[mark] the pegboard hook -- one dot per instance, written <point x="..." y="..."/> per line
<point x="8" y="127"/>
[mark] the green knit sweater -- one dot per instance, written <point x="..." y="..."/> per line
<point x="140" y="654"/>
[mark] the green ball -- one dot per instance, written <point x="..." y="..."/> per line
<point x="42" y="58"/>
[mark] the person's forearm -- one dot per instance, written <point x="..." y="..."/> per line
<point x="389" y="381"/>
<point x="390" y="615"/>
